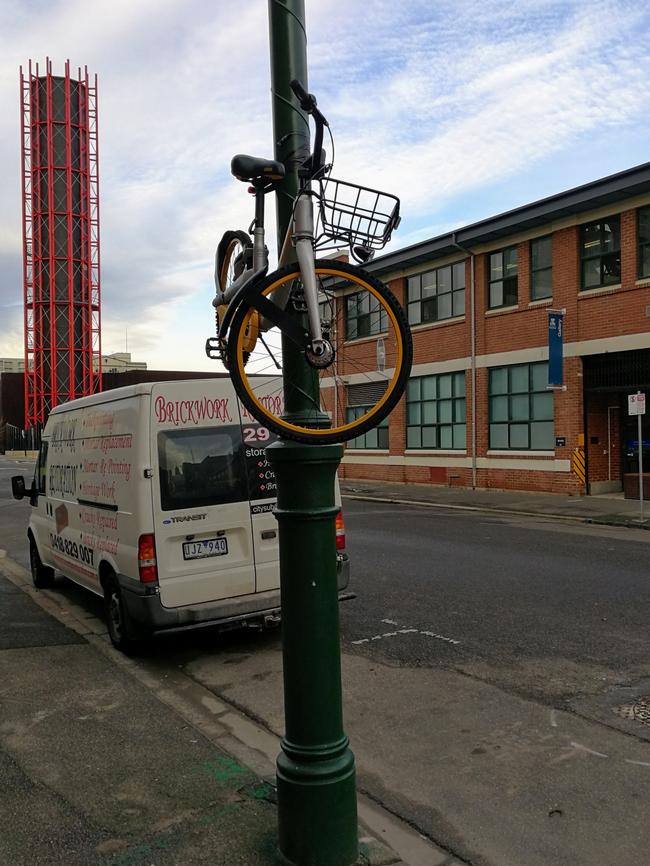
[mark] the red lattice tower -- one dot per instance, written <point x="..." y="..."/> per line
<point x="60" y="182"/>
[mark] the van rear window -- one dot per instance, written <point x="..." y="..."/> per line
<point x="205" y="466"/>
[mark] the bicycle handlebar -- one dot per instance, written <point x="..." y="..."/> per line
<point x="308" y="103"/>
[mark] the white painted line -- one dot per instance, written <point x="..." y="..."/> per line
<point x="385" y="634"/>
<point x="440" y="637"/>
<point x="582" y="748"/>
<point x="553" y="719"/>
<point x="389" y="621"/>
<point x="637" y="763"/>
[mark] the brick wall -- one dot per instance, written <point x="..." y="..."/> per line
<point x="593" y="315"/>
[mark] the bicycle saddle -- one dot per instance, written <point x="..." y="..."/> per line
<point x="249" y="168"/>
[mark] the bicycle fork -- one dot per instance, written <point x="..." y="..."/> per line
<point x="320" y="350"/>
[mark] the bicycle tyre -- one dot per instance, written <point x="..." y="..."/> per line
<point x="354" y="363"/>
<point x="230" y="256"/>
<point x="233" y="248"/>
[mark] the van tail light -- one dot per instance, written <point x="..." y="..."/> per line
<point x="147" y="566"/>
<point x="340" y="531"/>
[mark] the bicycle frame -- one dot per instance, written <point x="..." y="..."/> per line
<point x="301" y="235"/>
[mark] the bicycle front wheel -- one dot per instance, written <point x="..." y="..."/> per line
<point x="347" y="394"/>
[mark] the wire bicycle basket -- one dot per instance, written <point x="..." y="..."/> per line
<point x="356" y="214"/>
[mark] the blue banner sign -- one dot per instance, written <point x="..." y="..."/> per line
<point x="555" y="349"/>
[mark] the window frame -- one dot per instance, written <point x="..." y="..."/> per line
<point x="418" y="303"/>
<point x="584" y="259"/>
<point x="40" y="472"/>
<point x="640" y="246"/>
<point x="383" y="317"/>
<point x="507" y="297"/>
<point x="540" y="270"/>
<point x="511" y="395"/>
<point x="379" y="429"/>
<point x="455" y="398"/>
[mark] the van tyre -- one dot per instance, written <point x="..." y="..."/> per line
<point x="42" y="575"/>
<point x="117" y="619"/>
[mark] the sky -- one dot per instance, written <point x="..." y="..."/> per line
<point x="464" y="109"/>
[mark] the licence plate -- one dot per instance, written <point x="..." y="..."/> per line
<point x="204" y="548"/>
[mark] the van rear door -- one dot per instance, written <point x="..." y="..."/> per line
<point x="202" y="518"/>
<point x="262" y="489"/>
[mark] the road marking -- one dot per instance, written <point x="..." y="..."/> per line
<point x="553" y="719"/>
<point x="386" y="634"/>
<point x="440" y="637"/>
<point x="582" y="748"/>
<point x="638" y="763"/>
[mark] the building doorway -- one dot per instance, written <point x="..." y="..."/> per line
<point x="611" y="434"/>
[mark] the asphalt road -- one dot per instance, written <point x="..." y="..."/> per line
<point x="543" y="608"/>
<point x="14" y="514"/>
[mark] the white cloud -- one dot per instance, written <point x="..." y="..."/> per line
<point x="432" y="101"/>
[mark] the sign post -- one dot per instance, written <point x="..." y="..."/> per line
<point x="636" y="406"/>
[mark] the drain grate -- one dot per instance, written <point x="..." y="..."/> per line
<point x="639" y="711"/>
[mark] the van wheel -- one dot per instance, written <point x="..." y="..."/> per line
<point x="42" y="575"/>
<point x="117" y="619"/>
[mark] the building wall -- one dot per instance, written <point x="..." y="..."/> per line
<point x="614" y="318"/>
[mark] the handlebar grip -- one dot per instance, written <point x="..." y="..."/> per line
<point x="305" y="99"/>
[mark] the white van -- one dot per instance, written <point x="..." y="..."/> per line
<point x="158" y="497"/>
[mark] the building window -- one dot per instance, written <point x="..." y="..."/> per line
<point x="502" y="278"/>
<point x="600" y="253"/>
<point x="435" y="411"/>
<point x="436" y="295"/>
<point x="541" y="268"/>
<point x="521" y="408"/>
<point x="643" y="228"/>
<point x="375" y="438"/>
<point x="364" y="316"/>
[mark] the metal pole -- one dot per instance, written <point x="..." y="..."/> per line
<point x="317" y="809"/>
<point x="640" y="434"/>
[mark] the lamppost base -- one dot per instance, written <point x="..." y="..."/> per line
<point x="317" y="808"/>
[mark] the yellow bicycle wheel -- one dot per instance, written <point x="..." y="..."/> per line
<point x="351" y="390"/>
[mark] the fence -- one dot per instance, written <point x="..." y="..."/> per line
<point x="18" y="439"/>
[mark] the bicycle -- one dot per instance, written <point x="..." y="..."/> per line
<point x="348" y="325"/>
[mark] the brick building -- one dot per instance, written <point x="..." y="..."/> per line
<point x="478" y="411"/>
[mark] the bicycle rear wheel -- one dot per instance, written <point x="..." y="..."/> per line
<point x="234" y="249"/>
<point x="360" y="384"/>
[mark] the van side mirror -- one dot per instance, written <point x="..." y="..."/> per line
<point x="18" y="487"/>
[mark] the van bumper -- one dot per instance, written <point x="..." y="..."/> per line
<point x="146" y="610"/>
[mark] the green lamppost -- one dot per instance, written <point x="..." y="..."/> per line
<point x="317" y="811"/>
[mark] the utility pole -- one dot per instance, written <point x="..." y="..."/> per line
<point x="317" y="808"/>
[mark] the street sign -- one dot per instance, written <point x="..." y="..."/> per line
<point x="636" y="404"/>
<point x="556" y="348"/>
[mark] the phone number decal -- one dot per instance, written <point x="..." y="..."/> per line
<point x="72" y="549"/>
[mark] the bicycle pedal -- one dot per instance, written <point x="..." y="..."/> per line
<point x="298" y="302"/>
<point x="212" y="348"/>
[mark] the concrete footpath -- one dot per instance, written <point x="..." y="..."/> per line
<point x="610" y="509"/>
<point x="110" y="761"/>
